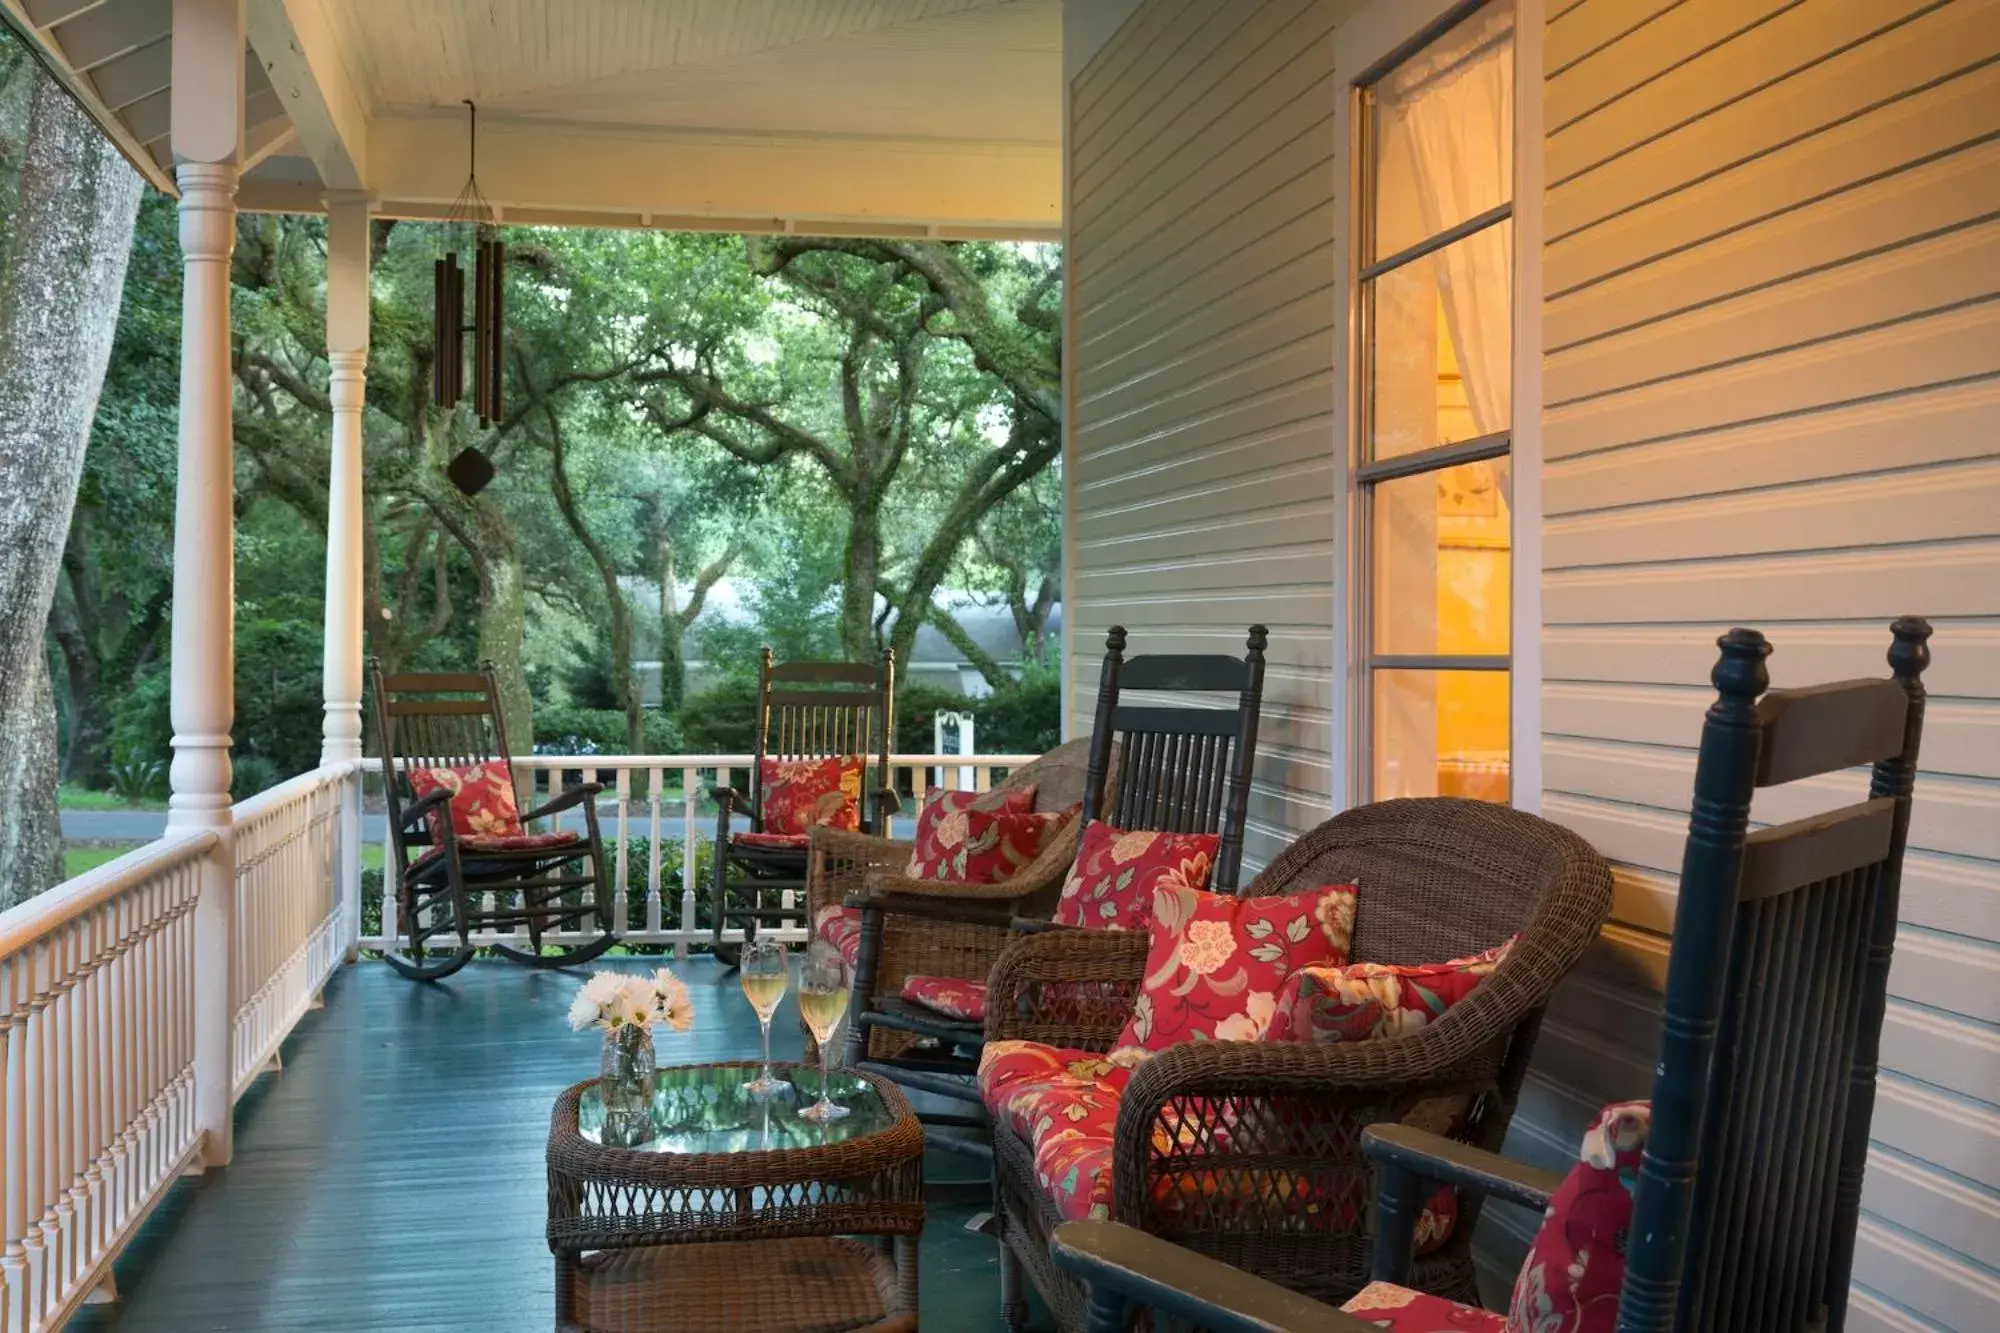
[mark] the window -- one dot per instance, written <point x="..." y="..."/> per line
<point x="1434" y="372"/>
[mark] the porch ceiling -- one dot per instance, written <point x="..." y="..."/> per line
<point x="876" y="116"/>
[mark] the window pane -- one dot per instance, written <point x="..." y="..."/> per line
<point x="1443" y="563"/>
<point x="1443" y="132"/>
<point x="1441" y="346"/>
<point x="1441" y="733"/>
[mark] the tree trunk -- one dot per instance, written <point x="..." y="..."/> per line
<point x="864" y="571"/>
<point x="503" y="622"/>
<point x="83" y="757"/>
<point x="622" y="678"/>
<point x="65" y="274"/>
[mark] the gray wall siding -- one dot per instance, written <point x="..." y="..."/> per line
<point x="1203" y="214"/>
<point x="1772" y="388"/>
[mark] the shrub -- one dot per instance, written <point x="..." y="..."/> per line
<point x="721" y="719"/>
<point x="252" y="773"/>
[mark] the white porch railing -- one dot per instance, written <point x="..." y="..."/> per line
<point x="657" y="824"/>
<point x="98" y="981"/>
<point x="97" y="1041"/>
<point x="97" y="1026"/>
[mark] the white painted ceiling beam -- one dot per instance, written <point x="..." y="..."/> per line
<point x="417" y="168"/>
<point x="297" y="54"/>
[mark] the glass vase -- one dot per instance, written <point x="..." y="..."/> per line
<point x="625" y="1076"/>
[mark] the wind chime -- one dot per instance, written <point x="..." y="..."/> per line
<point x="470" y="220"/>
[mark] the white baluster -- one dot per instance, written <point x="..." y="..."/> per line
<point x="624" y="792"/>
<point x="655" y="777"/>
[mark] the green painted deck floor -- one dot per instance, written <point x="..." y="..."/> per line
<point x="391" y="1176"/>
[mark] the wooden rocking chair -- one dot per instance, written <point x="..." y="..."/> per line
<point x="1746" y="1201"/>
<point x="449" y="724"/>
<point x="805" y="711"/>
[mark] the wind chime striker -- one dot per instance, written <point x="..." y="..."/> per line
<point x="471" y="220"/>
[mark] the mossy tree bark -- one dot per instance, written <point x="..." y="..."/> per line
<point x="67" y="243"/>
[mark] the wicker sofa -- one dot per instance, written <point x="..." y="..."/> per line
<point x="1272" y="1131"/>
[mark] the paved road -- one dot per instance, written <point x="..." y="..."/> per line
<point x="146" y="825"/>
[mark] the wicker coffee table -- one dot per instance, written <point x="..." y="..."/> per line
<point x="725" y="1212"/>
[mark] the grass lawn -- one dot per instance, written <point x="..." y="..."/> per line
<point x="77" y="859"/>
<point x="72" y="797"/>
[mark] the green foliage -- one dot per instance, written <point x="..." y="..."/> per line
<point x="723" y="719"/>
<point x="136" y="781"/>
<point x="572" y="729"/>
<point x="279" y="705"/>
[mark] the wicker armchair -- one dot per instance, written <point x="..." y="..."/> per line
<point x="913" y="927"/>
<point x="1440" y="877"/>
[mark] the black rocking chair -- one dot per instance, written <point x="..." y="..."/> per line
<point x="451" y="720"/>
<point x="1749" y="1193"/>
<point x="805" y="710"/>
<point x="1181" y="768"/>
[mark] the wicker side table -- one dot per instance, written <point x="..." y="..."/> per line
<point x="726" y="1212"/>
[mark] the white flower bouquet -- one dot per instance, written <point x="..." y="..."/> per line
<point x="615" y="1001"/>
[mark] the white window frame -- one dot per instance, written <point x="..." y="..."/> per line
<point x="1376" y="36"/>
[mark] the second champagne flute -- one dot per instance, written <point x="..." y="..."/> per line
<point x="762" y="972"/>
<point x="822" y="1003"/>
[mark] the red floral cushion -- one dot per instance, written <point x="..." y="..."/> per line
<point x="519" y="842"/>
<point x="482" y="798"/>
<point x="771" y="841"/>
<point x="942" y="823"/>
<point x="799" y="793"/>
<point x="1111" y="884"/>
<point x="1386" y="1305"/>
<point x="953" y="997"/>
<point x="841" y="927"/>
<point x="1217" y="963"/>
<point x="1014" y="1077"/>
<point x="1575" y="1268"/>
<point x="1363" y="1001"/>
<point x="980" y="846"/>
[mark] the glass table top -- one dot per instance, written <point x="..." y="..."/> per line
<point x="704" y="1109"/>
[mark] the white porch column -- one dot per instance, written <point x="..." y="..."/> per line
<point x="347" y="357"/>
<point x="207" y="120"/>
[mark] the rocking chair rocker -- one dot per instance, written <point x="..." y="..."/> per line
<point x="443" y="731"/>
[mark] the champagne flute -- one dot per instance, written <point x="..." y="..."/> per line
<point x="762" y="972"/>
<point x="822" y="1003"/>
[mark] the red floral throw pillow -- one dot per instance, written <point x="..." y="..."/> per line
<point x="482" y="798"/>
<point x="1110" y="887"/>
<point x="1364" y="1001"/>
<point x="981" y="846"/>
<point x="1217" y="963"/>
<point x="1576" y="1265"/>
<point x="799" y="793"/>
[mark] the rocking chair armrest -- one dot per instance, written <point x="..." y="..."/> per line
<point x="567" y="799"/>
<point x="728" y="797"/>
<point x="418" y="809"/>
<point x="1143" y="1268"/>
<point x="1449" y="1162"/>
<point x="887" y="803"/>
<point x="973" y="913"/>
<point x="1414" y="1162"/>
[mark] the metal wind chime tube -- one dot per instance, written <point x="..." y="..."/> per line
<point x="472" y="215"/>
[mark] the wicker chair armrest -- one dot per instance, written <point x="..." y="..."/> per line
<point x="567" y="799"/>
<point x="1331" y="1094"/>
<point x="1025" y="998"/>
<point x="841" y="862"/>
<point x="1123" y="1262"/>
<point x="885" y="883"/>
<point x="971" y="912"/>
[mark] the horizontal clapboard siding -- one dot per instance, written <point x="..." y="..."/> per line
<point x="1771" y="374"/>
<point x="1203" y="207"/>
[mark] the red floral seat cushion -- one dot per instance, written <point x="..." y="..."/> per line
<point x="1110" y="885"/>
<point x="973" y="846"/>
<point x="799" y="793"/>
<point x="795" y="842"/>
<point x="482" y="798"/>
<point x="1217" y="963"/>
<point x="1018" y="1079"/>
<point x="841" y="927"/>
<point x="1366" y="1001"/>
<point x="1386" y="1305"/>
<point x="953" y="997"/>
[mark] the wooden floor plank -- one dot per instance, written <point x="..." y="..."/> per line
<point x="391" y="1175"/>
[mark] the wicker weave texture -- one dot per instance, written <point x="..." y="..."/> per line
<point x="735" y="1221"/>
<point x="1263" y="1126"/>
